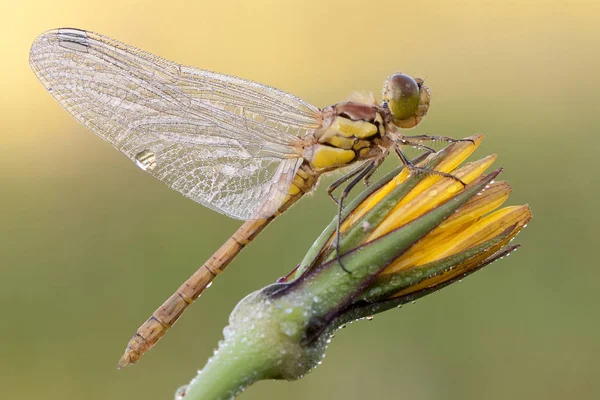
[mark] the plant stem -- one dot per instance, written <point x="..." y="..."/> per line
<point x="235" y="366"/>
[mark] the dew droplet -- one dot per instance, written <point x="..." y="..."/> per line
<point x="366" y="226"/>
<point x="289" y="328"/>
<point x="146" y="160"/>
<point x="376" y="291"/>
<point x="180" y="392"/>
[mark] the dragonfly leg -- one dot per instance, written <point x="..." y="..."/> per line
<point x="410" y="139"/>
<point x="341" y="180"/>
<point x="414" y="168"/>
<point x="427" y="149"/>
<point x="363" y="171"/>
<point x="376" y="163"/>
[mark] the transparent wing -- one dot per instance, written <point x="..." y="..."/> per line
<point x="225" y="142"/>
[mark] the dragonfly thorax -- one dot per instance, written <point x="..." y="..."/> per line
<point x="350" y="132"/>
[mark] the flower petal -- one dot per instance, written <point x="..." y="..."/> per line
<point x="483" y="230"/>
<point x="490" y="199"/>
<point x="454" y="156"/>
<point x="466" y="216"/>
<point x="461" y="269"/>
<point x="444" y="188"/>
<point x="402" y="280"/>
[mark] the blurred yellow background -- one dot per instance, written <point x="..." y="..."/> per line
<point x="90" y="245"/>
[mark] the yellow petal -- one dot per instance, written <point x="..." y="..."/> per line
<point x="373" y="199"/>
<point x="436" y="194"/>
<point x="483" y="230"/>
<point x="493" y="197"/>
<point x="490" y="199"/>
<point x="459" y="152"/>
<point x="463" y="268"/>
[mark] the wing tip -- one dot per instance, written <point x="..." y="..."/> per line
<point x="38" y="44"/>
<point x="57" y="33"/>
<point x="70" y="38"/>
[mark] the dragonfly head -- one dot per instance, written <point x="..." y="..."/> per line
<point x="406" y="99"/>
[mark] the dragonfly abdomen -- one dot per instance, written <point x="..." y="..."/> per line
<point x="150" y="332"/>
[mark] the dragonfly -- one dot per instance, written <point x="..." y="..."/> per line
<point x="241" y="148"/>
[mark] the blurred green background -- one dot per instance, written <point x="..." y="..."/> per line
<point x="90" y="245"/>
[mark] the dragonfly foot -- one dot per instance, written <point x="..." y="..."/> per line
<point x="434" y="172"/>
<point x="341" y="264"/>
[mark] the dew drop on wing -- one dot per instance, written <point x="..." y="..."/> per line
<point x="146" y="160"/>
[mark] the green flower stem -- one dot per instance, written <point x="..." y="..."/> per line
<point x="234" y="367"/>
<point x="262" y="341"/>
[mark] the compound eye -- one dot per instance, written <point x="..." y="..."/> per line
<point x="401" y="92"/>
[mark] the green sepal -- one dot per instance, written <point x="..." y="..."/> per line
<point x="387" y="285"/>
<point x="363" y="309"/>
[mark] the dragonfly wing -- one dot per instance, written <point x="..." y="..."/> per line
<point x="215" y="171"/>
<point x="225" y="142"/>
